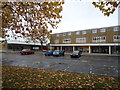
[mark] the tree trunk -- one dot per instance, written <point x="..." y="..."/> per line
<point x="41" y="45"/>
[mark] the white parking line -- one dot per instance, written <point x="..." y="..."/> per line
<point x="67" y="67"/>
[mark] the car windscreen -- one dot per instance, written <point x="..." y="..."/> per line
<point x="75" y="52"/>
<point x="26" y="50"/>
<point x="50" y="51"/>
<point x="57" y="51"/>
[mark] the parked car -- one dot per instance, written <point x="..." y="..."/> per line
<point x="26" y="52"/>
<point x="49" y="53"/>
<point x="58" y="53"/>
<point x="76" y="54"/>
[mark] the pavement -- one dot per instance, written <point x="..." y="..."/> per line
<point x="89" y="64"/>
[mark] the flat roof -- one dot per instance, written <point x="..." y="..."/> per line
<point x="85" y="29"/>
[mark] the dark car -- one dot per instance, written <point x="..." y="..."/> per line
<point x="26" y="52"/>
<point x="58" y="53"/>
<point x="49" y="53"/>
<point x="76" y="54"/>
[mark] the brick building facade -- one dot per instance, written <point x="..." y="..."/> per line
<point x="96" y="40"/>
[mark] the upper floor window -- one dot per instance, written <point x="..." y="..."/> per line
<point x="83" y="32"/>
<point x="103" y="30"/>
<point x="80" y="40"/>
<point x="69" y="33"/>
<point x="103" y="38"/>
<point x="94" y="31"/>
<point x="56" y="41"/>
<point x="116" y="38"/>
<point x="68" y="40"/>
<point x="57" y="35"/>
<point x="99" y="39"/>
<point x="116" y="28"/>
<point x="77" y="32"/>
<point x="64" y="34"/>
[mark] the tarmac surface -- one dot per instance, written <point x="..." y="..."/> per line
<point x="89" y="64"/>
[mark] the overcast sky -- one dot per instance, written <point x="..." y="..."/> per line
<point x="83" y="15"/>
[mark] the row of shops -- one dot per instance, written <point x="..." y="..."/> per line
<point x="85" y="49"/>
<point x="18" y="46"/>
<point x="106" y="49"/>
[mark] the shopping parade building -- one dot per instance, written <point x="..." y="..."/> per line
<point x="104" y="40"/>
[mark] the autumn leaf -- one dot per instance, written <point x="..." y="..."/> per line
<point x="34" y="15"/>
<point x="106" y="7"/>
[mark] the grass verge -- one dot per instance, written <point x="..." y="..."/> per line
<point x="23" y="77"/>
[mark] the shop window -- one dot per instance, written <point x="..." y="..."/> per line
<point x="9" y="47"/>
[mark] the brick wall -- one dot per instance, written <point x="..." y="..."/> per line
<point x="109" y="35"/>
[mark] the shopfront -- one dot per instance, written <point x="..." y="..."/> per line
<point x="100" y="49"/>
<point x="103" y="48"/>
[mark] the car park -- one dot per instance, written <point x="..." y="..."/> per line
<point x="48" y="53"/>
<point x="76" y="54"/>
<point x="26" y="52"/>
<point x="58" y="53"/>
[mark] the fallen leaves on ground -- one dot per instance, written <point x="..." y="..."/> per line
<point x="23" y="77"/>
